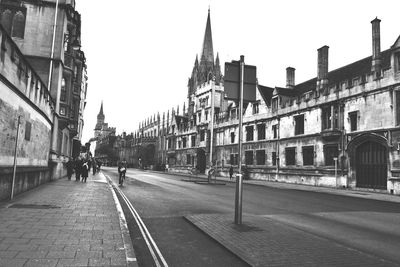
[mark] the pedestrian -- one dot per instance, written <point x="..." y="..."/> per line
<point x="98" y="165"/>
<point x="230" y="173"/>
<point x="85" y="171"/>
<point x="70" y="168"/>
<point x="94" y="165"/>
<point x="78" y="169"/>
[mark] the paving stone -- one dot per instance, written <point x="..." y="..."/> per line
<point x="74" y="262"/>
<point x="89" y="254"/>
<point x="12" y="262"/>
<point x="41" y="262"/>
<point x="100" y="262"/>
<point x="8" y="254"/>
<point x="61" y="254"/>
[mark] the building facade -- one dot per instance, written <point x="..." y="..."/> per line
<point x="339" y="129"/>
<point x="48" y="35"/>
<point x="26" y="120"/>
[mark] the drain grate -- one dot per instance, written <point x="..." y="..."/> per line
<point x="33" y="206"/>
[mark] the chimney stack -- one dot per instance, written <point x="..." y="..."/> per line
<point x="322" y="77"/>
<point x="376" y="45"/>
<point x="290" y="81"/>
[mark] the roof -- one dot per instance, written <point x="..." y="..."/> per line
<point x="266" y="93"/>
<point x="347" y="72"/>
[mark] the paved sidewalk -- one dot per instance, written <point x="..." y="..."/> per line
<point x="263" y="242"/>
<point x="64" y="223"/>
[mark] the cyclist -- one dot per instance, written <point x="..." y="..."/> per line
<point x="122" y="166"/>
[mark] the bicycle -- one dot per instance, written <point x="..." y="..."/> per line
<point x="121" y="178"/>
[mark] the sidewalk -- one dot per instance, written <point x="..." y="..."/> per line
<point x="64" y="223"/>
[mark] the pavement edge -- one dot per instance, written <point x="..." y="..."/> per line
<point x="231" y="249"/>
<point x="131" y="260"/>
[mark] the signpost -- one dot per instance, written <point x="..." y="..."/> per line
<point x="240" y="85"/>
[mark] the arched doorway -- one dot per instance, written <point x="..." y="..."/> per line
<point x="201" y="160"/>
<point x="371" y="165"/>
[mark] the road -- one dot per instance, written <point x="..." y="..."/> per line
<point x="365" y="225"/>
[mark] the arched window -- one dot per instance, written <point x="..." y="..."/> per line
<point x="6" y="18"/>
<point x="63" y="96"/>
<point x="18" y="25"/>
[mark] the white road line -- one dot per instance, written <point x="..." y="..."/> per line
<point x="143" y="229"/>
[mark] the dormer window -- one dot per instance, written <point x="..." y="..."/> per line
<point x="275" y="103"/>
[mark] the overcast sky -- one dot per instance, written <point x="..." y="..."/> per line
<point x="140" y="54"/>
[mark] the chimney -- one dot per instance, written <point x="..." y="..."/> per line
<point x="322" y="77"/>
<point x="376" y="45"/>
<point x="290" y="81"/>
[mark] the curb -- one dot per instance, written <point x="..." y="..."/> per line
<point x="231" y="250"/>
<point x="131" y="260"/>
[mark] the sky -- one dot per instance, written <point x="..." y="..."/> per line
<point x="140" y="54"/>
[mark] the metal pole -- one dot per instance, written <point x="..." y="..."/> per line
<point x="239" y="179"/>
<point x="15" y="159"/>
<point x="212" y="125"/>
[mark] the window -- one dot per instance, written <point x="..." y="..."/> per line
<point x="169" y="143"/>
<point x="330" y="117"/>
<point x="299" y="124"/>
<point x="260" y="157"/>
<point x="308" y="155"/>
<point x="188" y="159"/>
<point x="274" y="159"/>
<point x="202" y="133"/>
<point x="330" y="152"/>
<point x="261" y="131"/>
<point x="248" y="157"/>
<point x="28" y="127"/>
<point x="63" y="96"/>
<point x="353" y="117"/>
<point x="206" y="114"/>
<point x="199" y="117"/>
<point x="249" y="133"/>
<point x="275" y="131"/>
<point x="232" y="137"/>
<point x="13" y="20"/>
<point x="290" y="154"/>
<point x="397" y="107"/>
<point x="62" y="111"/>
<point x="193" y="141"/>
<point x="184" y="142"/>
<point x="275" y="104"/>
<point x="256" y="108"/>
<point x="234" y="159"/>
<point x="18" y="26"/>
<point x="233" y="114"/>
<point x="179" y="144"/>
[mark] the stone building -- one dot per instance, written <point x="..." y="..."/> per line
<point x="106" y="148"/>
<point x="48" y="35"/>
<point x="27" y="140"/>
<point x="338" y="129"/>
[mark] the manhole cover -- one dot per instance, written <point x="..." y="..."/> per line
<point x="33" y="206"/>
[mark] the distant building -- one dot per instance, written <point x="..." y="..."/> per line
<point x="105" y="140"/>
<point x="339" y="129"/>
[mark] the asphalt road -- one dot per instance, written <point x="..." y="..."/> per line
<point x="366" y="225"/>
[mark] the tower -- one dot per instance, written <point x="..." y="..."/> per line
<point x="100" y="122"/>
<point x="207" y="68"/>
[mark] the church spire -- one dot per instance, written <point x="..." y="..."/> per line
<point x="207" y="51"/>
<point x="101" y="109"/>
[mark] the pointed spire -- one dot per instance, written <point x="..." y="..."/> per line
<point x="177" y="110"/>
<point x="207" y="51"/>
<point x="196" y="62"/>
<point x="184" y="108"/>
<point x="217" y="60"/>
<point x="101" y="109"/>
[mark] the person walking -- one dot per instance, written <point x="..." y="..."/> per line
<point x="85" y="171"/>
<point x="70" y="168"/>
<point x="78" y="169"/>
<point x="230" y="173"/>
<point x="94" y="166"/>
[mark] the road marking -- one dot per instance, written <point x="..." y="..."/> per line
<point x="143" y="229"/>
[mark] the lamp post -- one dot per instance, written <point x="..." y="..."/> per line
<point x="15" y="158"/>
